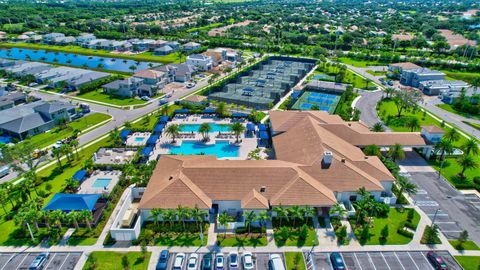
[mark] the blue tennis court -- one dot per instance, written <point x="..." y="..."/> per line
<point x="317" y="100"/>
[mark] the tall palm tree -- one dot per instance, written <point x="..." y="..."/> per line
<point x="467" y="162"/>
<point x="282" y="213"/>
<point x="452" y="135"/>
<point x="362" y="192"/>
<point x="182" y="213"/>
<point x="73" y="217"/>
<point x="74" y="144"/>
<point x="249" y="216"/>
<point x="169" y="214"/>
<point x="413" y="123"/>
<point x="396" y="152"/>
<point x="221" y="109"/>
<point x="470" y="146"/>
<point x="405" y="184"/>
<point x="445" y="147"/>
<point x="57" y="217"/>
<point x="237" y="128"/>
<point x="87" y="217"/>
<point x="173" y="130"/>
<point x="155" y="213"/>
<point x="204" y="129"/>
<point x="57" y="153"/>
<point x="263" y="217"/>
<point x="338" y="209"/>
<point x="372" y="150"/>
<point x="389" y="91"/>
<point x="115" y="136"/>
<point x="378" y="127"/>
<point x="223" y="220"/>
<point x="198" y="215"/>
<point x="46" y="215"/>
<point x="295" y="212"/>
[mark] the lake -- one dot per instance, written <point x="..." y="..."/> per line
<point x="77" y="60"/>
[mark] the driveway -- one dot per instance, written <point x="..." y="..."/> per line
<point x="367" y="104"/>
<point x="413" y="162"/>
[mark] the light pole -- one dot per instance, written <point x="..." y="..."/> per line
<point x="435" y="216"/>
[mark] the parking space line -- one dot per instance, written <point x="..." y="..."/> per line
<point x="330" y="262"/>
<point x="20" y="264"/>
<point x="398" y="259"/>
<point x="343" y="259"/>
<point x="64" y="260"/>
<point x="355" y="255"/>
<point x="445" y="222"/>
<point x="371" y="261"/>
<point x="46" y="266"/>
<point x="413" y="260"/>
<point x="450" y="231"/>
<point x="425" y="258"/>
<point x="9" y="259"/>
<point x="438" y="215"/>
<point x="381" y="253"/>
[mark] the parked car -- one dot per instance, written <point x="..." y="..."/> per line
<point x="390" y="82"/>
<point x="190" y="85"/>
<point x="219" y="261"/>
<point x="163" y="101"/>
<point x="145" y="98"/>
<point x="163" y="260"/>
<point x="57" y="144"/>
<point x="5" y="170"/>
<point x="248" y="261"/>
<point x="207" y="262"/>
<point x="39" y="261"/>
<point x="275" y="262"/>
<point x="233" y="261"/>
<point x="192" y="263"/>
<point x="337" y="261"/>
<point x="178" y="262"/>
<point x="85" y="107"/>
<point x="437" y="261"/>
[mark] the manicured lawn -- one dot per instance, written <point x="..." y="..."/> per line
<point x="469" y="262"/>
<point x="76" y="241"/>
<point x="147" y="56"/>
<point x="176" y="234"/>
<point x="350" y="77"/>
<point x="100" y="96"/>
<point x="449" y="108"/>
<point x="206" y="27"/>
<point x="476" y="126"/>
<point x="295" y="261"/>
<point x="244" y="240"/>
<point x="109" y="260"/>
<point x="468" y="245"/>
<point x="376" y="73"/>
<point x="359" y="63"/>
<point x="460" y="75"/>
<point x="395" y="219"/>
<point x="48" y="138"/>
<point x="294" y="238"/>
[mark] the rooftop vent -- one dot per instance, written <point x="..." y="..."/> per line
<point x="365" y="157"/>
<point x="170" y="178"/>
<point x="327" y="159"/>
<point x="263" y="189"/>
<point x="343" y="160"/>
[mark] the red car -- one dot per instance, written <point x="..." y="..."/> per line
<point x="437" y="261"/>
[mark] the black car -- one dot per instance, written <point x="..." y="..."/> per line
<point x="163" y="260"/>
<point x="337" y="261"/>
<point x="207" y="262"/>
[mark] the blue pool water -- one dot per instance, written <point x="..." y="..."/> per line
<point x="139" y="139"/>
<point x="76" y="60"/>
<point x="221" y="149"/>
<point x="195" y="127"/>
<point x="101" y="182"/>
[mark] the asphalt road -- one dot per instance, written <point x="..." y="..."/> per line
<point x="367" y="104"/>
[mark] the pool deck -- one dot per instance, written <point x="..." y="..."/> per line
<point x="131" y="139"/>
<point x="87" y="186"/>
<point x="246" y="144"/>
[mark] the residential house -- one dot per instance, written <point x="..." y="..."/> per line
<point x="413" y="77"/>
<point x="164" y="50"/>
<point x="34" y="118"/>
<point x="50" y="38"/>
<point x="10" y="100"/>
<point x="218" y="55"/>
<point x="432" y="134"/>
<point x="191" y="46"/>
<point x="63" y="40"/>
<point x="124" y="88"/>
<point x="178" y="72"/>
<point x="174" y="45"/>
<point x="154" y="78"/>
<point x="141" y="44"/>
<point x="400" y="67"/>
<point x="200" y="61"/>
<point x="85" y="38"/>
<point x="157" y="44"/>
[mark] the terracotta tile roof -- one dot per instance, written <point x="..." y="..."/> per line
<point x="149" y="74"/>
<point x="405" y="65"/>
<point x="196" y="98"/>
<point x="433" y="129"/>
<point x="254" y="200"/>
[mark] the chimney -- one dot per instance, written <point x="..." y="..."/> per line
<point x="327" y="159"/>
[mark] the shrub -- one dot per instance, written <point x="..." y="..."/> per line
<point x="476" y="180"/>
<point x="410" y="214"/>
<point x="341" y="234"/>
<point x="383" y="210"/>
<point x="109" y="240"/>
<point x="404" y="232"/>
<point x="384" y="232"/>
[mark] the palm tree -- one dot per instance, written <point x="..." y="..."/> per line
<point x="3" y="198"/>
<point x="74" y="144"/>
<point x="405" y="185"/>
<point x="378" y="127"/>
<point x="57" y="217"/>
<point x="155" y="213"/>
<point x="86" y="216"/>
<point x="182" y="213"/>
<point x="115" y="136"/>
<point x="73" y="217"/>
<point x="263" y="217"/>
<point x="396" y="152"/>
<point x="362" y="192"/>
<point x="413" y="123"/>
<point x="452" y="135"/>
<point x="338" y="209"/>
<point x="198" y="215"/>
<point x="467" y="162"/>
<point x="221" y="109"/>
<point x="46" y="215"/>
<point x="295" y="212"/>
<point x="249" y="216"/>
<point x="372" y="150"/>
<point x="389" y="91"/>
<point x="169" y="214"/>
<point x="71" y="184"/>
<point x="223" y="220"/>
<point x="444" y="147"/>
<point x="470" y="146"/>
<point x="204" y="129"/>
<point x="237" y="128"/>
<point x="173" y="130"/>
<point x="282" y="213"/>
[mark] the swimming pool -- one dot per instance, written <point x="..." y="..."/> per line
<point x="195" y="127"/>
<point x="221" y="149"/>
<point x="139" y="139"/>
<point x="101" y="182"/>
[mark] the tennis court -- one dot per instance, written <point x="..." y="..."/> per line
<point x="324" y="101"/>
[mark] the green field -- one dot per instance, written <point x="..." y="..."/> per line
<point x="206" y="27"/>
<point x="146" y="56"/>
<point x="461" y="75"/>
<point x="350" y="77"/>
<point x="242" y="240"/>
<point x="469" y="262"/>
<point x="109" y="260"/>
<point x="48" y="138"/>
<point x="100" y="96"/>
<point x="359" y="63"/>
<point x="377" y="73"/>
<point x="449" y="108"/>
<point x="295" y="261"/>
<point x="468" y="245"/>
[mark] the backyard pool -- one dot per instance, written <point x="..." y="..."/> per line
<point x="101" y="182"/>
<point x="324" y="101"/>
<point x="221" y="149"/>
<point x="195" y="127"/>
<point x="76" y="60"/>
<point x="139" y="139"/>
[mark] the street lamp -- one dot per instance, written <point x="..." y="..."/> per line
<point x="435" y="216"/>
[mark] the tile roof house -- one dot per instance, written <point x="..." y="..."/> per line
<point x="191" y="46"/>
<point x="200" y="61"/>
<point x="177" y="72"/>
<point x="319" y="162"/>
<point x="402" y="66"/>
<point x="128" y="87"/>
<point x="164" y="50"/>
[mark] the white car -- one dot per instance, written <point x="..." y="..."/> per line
<point x="219" y="261"/>
<point x="57" y="144"/>
<point x="145" y="98"/>
<point x="192" y="263"/>
<point x="233" y="260"/>
<point x="248" y="261"/>
<point x="178" y="262"/>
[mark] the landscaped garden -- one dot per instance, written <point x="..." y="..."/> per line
<point x="173" y="233"/>
<point x="339" y="73"/>
<point x="99" y="96"/>
<point x="293" y="226"/>
<point x="469" y="262"/>
<point x="253" y="234"/>
<point x="295" y="261"/>
<point x="450" y="108"/>
<point x="109" y="260"/>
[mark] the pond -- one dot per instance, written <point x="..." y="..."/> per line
<point x="77" y="60"/>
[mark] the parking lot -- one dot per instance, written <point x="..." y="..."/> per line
<point x="57" y="260"/>
<point x="403" y="260"/>
<point x="260" y="260"/>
